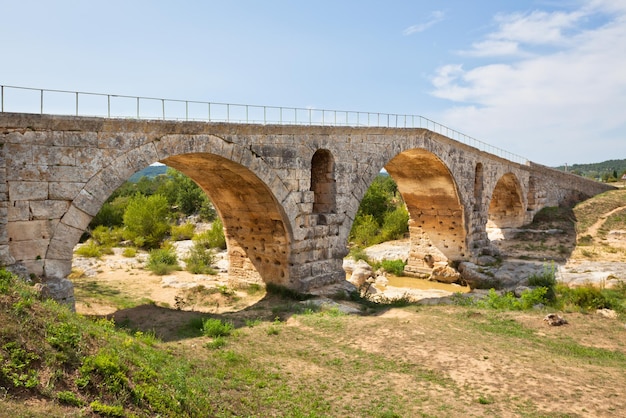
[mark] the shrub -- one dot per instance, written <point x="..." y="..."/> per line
<point x="107" y="237"/>
<point x="394" y="266"/>
<point x="365" y="231"/>
<point x="69" y="398"/>
<point x="213" y="237"/>
<point x="216" y="328"/>
<point x="89" y="249"/>
<point x="547" y="279"/>
<point x="162" y="261"/>
<point x="146" y="220"/>
<point x="358" y="253"/>
<point x="182" y="232"/>
<point x="199" y="260"/>
<point x="586" y="297"/>
<point x="129" y="252"/>
<point x="395" y="224"/>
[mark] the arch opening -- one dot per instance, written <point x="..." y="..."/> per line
<point x="506" y="208"/>
<point x="436" y="215"/>
<point x="323" y="182"/>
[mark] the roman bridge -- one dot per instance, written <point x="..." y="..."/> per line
<point x="287" y="194"/>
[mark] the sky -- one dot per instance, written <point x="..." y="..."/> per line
<point x="544" y="79"/>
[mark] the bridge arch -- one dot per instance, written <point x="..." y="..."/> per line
<point x="436" y="213"/>
<point x="506" y="206"/>
<point x="246" y="193"/>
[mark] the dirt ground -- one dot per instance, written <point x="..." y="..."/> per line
<point x="480" y="353"/>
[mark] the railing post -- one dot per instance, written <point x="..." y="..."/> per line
<point x="310" y="117"/>
<point x="247" y="114"/>
<point x="186" y="110"/>
<point x="227" y="112"/>
<point x="76" y="103"/>
<point x="163" y="107"/>
<point x="137" y="107"/>
<point x="2" y="98"/>
<point x="264" y="115"/>
<point x="41" y="102"/>
<point x="209" y="108"/>
<point x="108" y="106"/>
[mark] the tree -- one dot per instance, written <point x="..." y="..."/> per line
<point x="146" y="220"/>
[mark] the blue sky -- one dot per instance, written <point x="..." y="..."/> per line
<point x="543" y="79"/>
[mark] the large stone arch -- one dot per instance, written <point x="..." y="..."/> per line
<point x="437" y="215"/>
<point x="506" y="206"/>
<point x="246" y="195"/>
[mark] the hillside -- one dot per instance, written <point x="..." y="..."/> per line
<point x="151" y="172"/>
<point x="603" y="170"/>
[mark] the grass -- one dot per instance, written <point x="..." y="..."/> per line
<point x="589" y="212"/>
<point x="315" y="361"/>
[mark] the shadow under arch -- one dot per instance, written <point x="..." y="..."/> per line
<point x="506" y="207"/>
<point x="255" y="225"/>
<point x="436" y="213"/>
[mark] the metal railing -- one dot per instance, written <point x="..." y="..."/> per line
<point x="62" y="102"/>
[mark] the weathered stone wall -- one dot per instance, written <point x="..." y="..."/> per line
<point x="287" y="195"/>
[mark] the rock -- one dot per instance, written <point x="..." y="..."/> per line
<point x="61" y="290"/>
<point x="554" y="320"/>
<point x="362" y="271"/>
<point x="521" y="289"/>
<point x="382" y="280"/>
<point x="476" y="279"/>
<point x="445" y="274"/>
<point x="607" y="313"/>
<point x="486" y="260"/>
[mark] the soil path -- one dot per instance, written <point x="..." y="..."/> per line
<point x="593" y="229"/>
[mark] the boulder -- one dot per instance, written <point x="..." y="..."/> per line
<point x="554" y="320"/>
<point x="61" y="290"/>
<point x="472" y="275"/>
<point x="361" y="272"/>
<point x="445" y="274"/>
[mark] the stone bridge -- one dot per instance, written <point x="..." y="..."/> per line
<point x="287" y="194"/>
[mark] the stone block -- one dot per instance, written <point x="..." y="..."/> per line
<point x="28" y="190"/>
<point x="45" y="155"/>
<point x="76" y="218"/>
<point x="48" y="209"/>
<point x="57" y="269"/>
<point x="5" y="255"/>
<point x="29" y="250"/>
<point x="34" y="266"/>
<point x="19" y="211"/>
<point x="64" y="190"/>
<point x="89" y="203"/>
<point x="30" y="230"/>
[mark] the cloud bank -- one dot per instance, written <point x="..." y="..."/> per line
<point x="548" y="85"/>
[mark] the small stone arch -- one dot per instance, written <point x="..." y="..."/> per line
<point x="506" y="208"/>
<point x="323" y="181"/>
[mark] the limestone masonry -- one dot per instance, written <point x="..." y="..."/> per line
<point x="287" y="195"/>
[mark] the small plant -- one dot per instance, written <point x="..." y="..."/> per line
<point x="213" y="237"/>
<point x="199" y="260"/>
<point x="216" y="328"/>
<point x="216" y="343"/>
<point x="358" y="253"/>
<point x="107" y="410"/>
<point x="547" y="279"/>
<point x="394" y="266"/>
<point x="274" y="328"/>
<point x="182" y="232"/>
<point x="129" y="252"/>
<point x="69" y="398"/>
<point x="89" y="249"/>
<point x="163" y="261"/>
<point x="106" y="237"/>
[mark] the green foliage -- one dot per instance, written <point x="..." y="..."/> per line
<point x="182" y="232"/>
<point x="213" y="237"/>
<point x="589" y="297"/>
<point x="107" y="236"/>
<point x="394" y="266"/>
<point x="216" y="343"/>
<point x="6" y="281"/>
<point x="162" y="261"/>
<point x="605" y="170"/>
<point x="146" y="220"/>
<point x="107" y="410"/>
<point x="69" y="398"/>
<point x="358" y="253"/>
<point x="216" y="328"/>
<point x="395" y="224"/>
<point x="508" y="301"/>
<point x="17" y="366"/>
<point x="89" y="249"/>
<point x="365" y="231"/>
<point x="547" y="280"/>
<point x="199" y="260"/>
<point x="129" y="252"/>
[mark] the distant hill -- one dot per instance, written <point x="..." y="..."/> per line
<point x="151" y="171"/>
<point x="604" y="170"/>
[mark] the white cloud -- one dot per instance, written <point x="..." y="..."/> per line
<point x="563" y="105"/>
<point x="434" y="18"/>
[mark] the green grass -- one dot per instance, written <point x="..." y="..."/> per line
<point x="590" y="211"/>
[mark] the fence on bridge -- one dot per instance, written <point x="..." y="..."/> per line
<point x="62" y="102"/>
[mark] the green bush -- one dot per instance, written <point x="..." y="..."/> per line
<point x="395" y="224"/>
<point x="213" y="237"/>
<point x="587" y="297"/>
<point x="69" y="398"/>
<point x="129" y="252"/>
<point x="182" y="232"/>
<point x="199" y="260"/>
<point x="547" y="279"/>
<point x="394" y="266"/>
<point x="146" y="220"/>
<point x="89" y="249"/>
<point x="365" y="231"/>
<point x="106" y="236"/>
<point x="216" y="328"/>
<point x="107" y="410"/>
<point x="162" y="261"/>
<point x="358" y="253"/>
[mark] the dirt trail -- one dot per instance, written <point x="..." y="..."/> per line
<point x="593" y="229"/>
